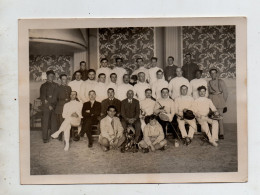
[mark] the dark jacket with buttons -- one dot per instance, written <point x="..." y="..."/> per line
<point x="47" y="92"/>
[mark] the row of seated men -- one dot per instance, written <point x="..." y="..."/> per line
<point x="128" y="111"/>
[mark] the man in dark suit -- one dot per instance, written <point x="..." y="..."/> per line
<point x="91" y="116"/>
<point x="130" y="111"/>
<point x="189" y="68"/>
<point x="47" y="97"/>
<point x="111" y="100"/>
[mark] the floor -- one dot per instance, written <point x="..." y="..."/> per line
<point x="51" y="159"/>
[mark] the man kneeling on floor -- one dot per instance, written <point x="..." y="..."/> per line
<point x="111" y="136"/>
<point x="153" y="136"/>
<point x="72" y="118"/>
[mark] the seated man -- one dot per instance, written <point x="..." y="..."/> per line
<point x="182" y="104"/>
<point x="165" y="109"/>
<point x="91" y="114"/>
<point x="130" y="111"/>
<point x="202" y="105"/>
<point x="111" y="100"/>
<point x="146" y="107"/>
<point x="111" y="136"/>
<point x="154" y="138"/>
<point x="72" y="115"/>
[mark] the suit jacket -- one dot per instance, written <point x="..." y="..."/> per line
<point x="106" y="102"/>
<point x="130" y="110"/>
<point x="93" y="112"/>
<point x="108" y="131"/>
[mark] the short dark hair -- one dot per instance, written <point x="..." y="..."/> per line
<point x="202" y="87"/>
<point x="148" y="89"/>
<point x="119" y="59"/>
<point x="82" y="62"/>
<point x="159" y="71"/>
<point x="198" y="70"/>
<point x="154" y="58"/>
<point x="91" y="70"/>
<point x="111" y="106"/>
<point x="101" y="74"/>
<point x="112" y="74"/>
<point x="63" y="75"/>
<point x="165" y="89"/>
<point x="212" y="70"/>
<point x="138" y="59"/>
<point x="149" y="118"/>
<point x="171" y="57"/>
<point x="102" y="59"/>
<point x="77" y="72"/>
<point x="140" y="73"/>
<point x="91" y="91"/>
<point x="184" y="86"/>
<point x="188" y="54"/>
<point x="126" y="75"/>
<point x="110" y="89"/>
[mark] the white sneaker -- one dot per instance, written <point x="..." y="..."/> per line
<point x="213" y="143"/>
<point x="55" y="135"/>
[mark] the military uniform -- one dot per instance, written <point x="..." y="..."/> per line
<point x="62" y="96"/>
<point x="47" y="96"/>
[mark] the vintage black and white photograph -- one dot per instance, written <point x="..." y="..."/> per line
<point x="133" y="99"/>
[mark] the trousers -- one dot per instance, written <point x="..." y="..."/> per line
<point x="204" y="122"/>
<point x="192" y="127"/>
<point x="49" y="121"/>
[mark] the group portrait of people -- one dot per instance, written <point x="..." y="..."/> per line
<point x="134" y="112"/>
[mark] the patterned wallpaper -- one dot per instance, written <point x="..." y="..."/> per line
<point x="127" y="43"/>
<point x="212" y="46"/>
<point x="40" y="64"/>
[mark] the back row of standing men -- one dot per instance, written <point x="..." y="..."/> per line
<point x="115" y="77"/>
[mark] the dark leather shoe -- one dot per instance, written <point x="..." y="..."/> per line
<point x="90" y="145"/>
<point x="76" y="138"/>
<point x="45" y="141"/>
<point x="221" y="136"/>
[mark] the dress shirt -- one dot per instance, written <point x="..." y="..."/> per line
<point x="139" y="90"/>
<point x="75" y="86"/>
<point x="184" y="102"/>
<point x="157" y="86"/>
<point x="152" y="74"/>
<point x="122" y="90"/>
<point x="106" y="71"/>
<point x="85" y="87"/>
<point x="155" y="132"/>
<point x="175" y="85"/>
<point x="71" y="107"/>
<point x="147" y="105"/>
<point x="169" y="107"/>
<point x="101" y="91"/>
<point x="202" y="106"/>
<point x="120" y="73"/>
<point x="195" y="83"/>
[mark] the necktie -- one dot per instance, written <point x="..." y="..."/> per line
<point x="112" y="123"/>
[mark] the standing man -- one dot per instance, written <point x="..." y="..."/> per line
<point x="189" y="68"/>
<point x="182" y="104"/>
<point x="165" y="109"/>
<point x="62" y="95"/>
<point x="146" y="106"/>
<point x="177" y="82"/>
<point x="124" y="87"/>
<point x="112" y="84"/>
<point x="140" y="87"/>
<point x="119" y="70"/>
<point x="159" y="84"/>
<point x="170" y="69"/>
<point x="88" y="85"/>
<point x="197" y="82"/>
<point x="47" y="96"/>
<point x="152" y="71"/>
<point x="111" y="135"/>
<point x="218" y="94"/>
<point x="130" y="111"/>
<point x="111" y="100"/>
<point x="75" y="84"/>
<point x="141" y="68"/>
<point x="104" y="69"/>
<point x="101" y="88"/>
<point x="91" y="112"/>
<point x="202" y="105"/>
<point x="72" y="117"/>
<point x="83" y="70"/>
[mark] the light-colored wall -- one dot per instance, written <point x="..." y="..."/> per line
<point x="93" y="49"/>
